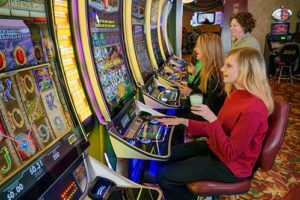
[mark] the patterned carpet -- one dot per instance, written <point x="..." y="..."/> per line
<point x="285" y="174"/>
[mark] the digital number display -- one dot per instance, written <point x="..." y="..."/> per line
<point x="32" y="181"/>
<point x="15" y="191"/>
<point x="26" y="180"/>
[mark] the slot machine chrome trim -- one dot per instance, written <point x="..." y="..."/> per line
<point x="160" y="7"/>
<point x="148" y="34"/>
<point x="83" y="10"/>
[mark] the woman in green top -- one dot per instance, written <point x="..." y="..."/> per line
<point x="193" y="69"/>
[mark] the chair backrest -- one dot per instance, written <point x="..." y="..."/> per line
<point x="289" y="52"/>
<point x="278" y="121"/>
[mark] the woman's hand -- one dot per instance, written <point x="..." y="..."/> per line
<point x="184" y="90"/>
<point x="204" y="112"/>
<point x="191" y="69"/>
<point x="173" y="121"/>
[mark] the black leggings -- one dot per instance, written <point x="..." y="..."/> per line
<point x="191" y="162"/>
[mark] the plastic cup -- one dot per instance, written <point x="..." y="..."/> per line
<point x="196" y="99"/>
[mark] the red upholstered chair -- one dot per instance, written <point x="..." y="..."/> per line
<point x="272" y="142"/>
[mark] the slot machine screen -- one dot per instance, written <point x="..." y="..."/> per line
<point x="141" y="52"/>
<point x="154" y="35"/>
<point x="39" y="136"/>
<point x="108" y="52"/>
<point x="156" y="48"/>
<point x="280" y="28"/>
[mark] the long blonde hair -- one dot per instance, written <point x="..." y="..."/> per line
<point x="211" y="48"/>
<point x="252" y="75"/>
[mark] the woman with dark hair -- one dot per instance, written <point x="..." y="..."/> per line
<point x="241" y="26"/>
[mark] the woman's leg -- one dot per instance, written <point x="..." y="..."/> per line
<point x="186" y="150"/>
<point x="173" y="177"/>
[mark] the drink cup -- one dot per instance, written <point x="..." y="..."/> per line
<point x="196" y="99"/>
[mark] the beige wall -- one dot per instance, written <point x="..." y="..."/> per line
<point x="262" y="12"/>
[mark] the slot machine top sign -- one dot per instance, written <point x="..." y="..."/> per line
<point x="282" y="14"/>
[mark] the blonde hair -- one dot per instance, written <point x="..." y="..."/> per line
<point x="252" y="75"/>
<point x="211" y="48"/>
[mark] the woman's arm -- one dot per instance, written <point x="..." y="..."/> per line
<point x="196" y="128"/>
<point x="246" y="128"/>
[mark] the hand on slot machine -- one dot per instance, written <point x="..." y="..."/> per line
<point x="173" y="121"/>
<point x="184" y="89"/>
<point x="191" y="69"/>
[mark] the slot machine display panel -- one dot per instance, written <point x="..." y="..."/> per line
<point x="141" y="52"/>
<point x="154" y="33"/>
<point x="39" y="134"/>
<point x="279" y="35"/>
<point x="139" y="40"/>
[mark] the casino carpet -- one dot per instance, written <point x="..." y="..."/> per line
<point x="285" y="174"/>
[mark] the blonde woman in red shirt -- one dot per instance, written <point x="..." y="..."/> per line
<point x="235" y="136"/>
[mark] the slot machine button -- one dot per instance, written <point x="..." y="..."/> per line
<point x="164" y="99"/>
<point x="154" y="122"/>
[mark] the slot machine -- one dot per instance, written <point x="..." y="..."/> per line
<point x="172" y="61"/>
<point x="165" y="11"/>
<point x="155" y="93"/>
<point x="173" y="68"/>
<point x="43" y="146"/>
<point x="167" y="70"/>
<point x="133" y="129"/>
<point x="279" y="35"/>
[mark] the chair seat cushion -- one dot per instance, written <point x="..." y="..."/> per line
<point x="278" y="62"/>
<point x="214" y="188"/>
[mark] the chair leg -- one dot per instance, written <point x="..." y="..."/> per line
<point x="291" y="76"/>
<point x="280" y="73"/>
